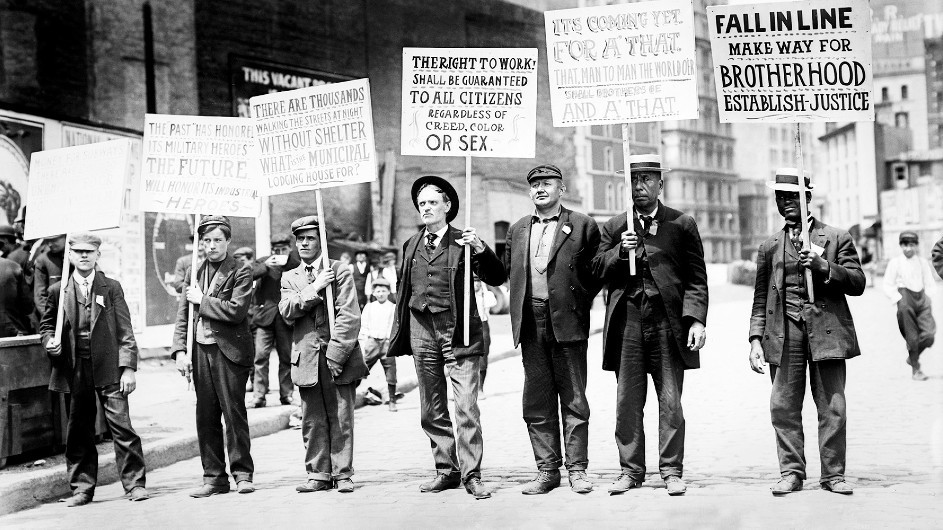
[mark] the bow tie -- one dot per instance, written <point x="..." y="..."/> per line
<point x="534" y="220"/>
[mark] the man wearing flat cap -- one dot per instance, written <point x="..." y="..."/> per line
<point x="549" y="263"/>
<point x="220" y="358"/>
<point x="796" y="336"/>
<point x="908" y="281"/>
<point x="654" y="321"/>
<point x="326" y="362"/>
<point x="94" y="360"/>
<point x="429" y="326"/>
<point x="270" y="329"/>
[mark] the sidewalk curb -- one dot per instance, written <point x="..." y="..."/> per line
<point x="51" y="484"/>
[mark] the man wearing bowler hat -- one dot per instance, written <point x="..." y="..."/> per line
<point x="220" y="360"/>
<point x="326" y="362"/>
<point x="549" y="263"/>
<point x="429" y="326"/>
<point x="908" y="282"/>
<point x="654" y="321"/>
<point x="94" y="360"/>
<point x="794" y="335"/>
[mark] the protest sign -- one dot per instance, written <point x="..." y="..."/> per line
<point x="793" y="61"/>
<point x="622" y="63"/>
<point x="469" y="102"/>
<point x="76" y="189"/>
<point x="198" y="164"/>
<point x="313" y="138"/>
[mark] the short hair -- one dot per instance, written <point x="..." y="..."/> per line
<point x="445" y="196"/>
<point x="204" y="229"/>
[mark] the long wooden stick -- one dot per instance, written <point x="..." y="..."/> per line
<point x="630" y="210"/>
<point x="325" y="263"/>
<point x="804" y="211"/>
<point x="193" y="267"/>
<point x="466" y="309"/>
<point x="64" y="279"/>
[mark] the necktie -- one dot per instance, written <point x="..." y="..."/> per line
<point x="795" y="234"/>
<point x="646" y="222"/>
<point x="430" y="243"/>
<point x="309" y="271"/>
<point x="85" y="288"/>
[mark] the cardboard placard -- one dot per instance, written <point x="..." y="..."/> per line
<point x="479" y="102"/>
<point x="622" y="63"/>
<point x="793" y="62"/>
<point x="77" y="189"/>
<point x="198" y="164"/>
<point x="315" y="137"/>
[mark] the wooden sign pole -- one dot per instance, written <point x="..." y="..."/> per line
<point x="630" y="209"/>
<point x="65" y="278"/>
<point x="466" y="309"/>
<point x="804" y="210"/>
<point x="193" y="279"/>
<point x="325" y="262"/>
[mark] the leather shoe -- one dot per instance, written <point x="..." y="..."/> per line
<point x="313" y="485"/>
<point x="286" y="401"/>
<point x="345" y="485"/>
<point x="208" y="490"/>
<point x="474" y="487"/>
<point x="544" y="483"/>
<point x="258" y="404"/>
<point x="77" y="499"/>
<point x="788" y="484"/>
<point x="579" y="483"/>
<point x="245" y="486"/>
<point x="838" y="486"/>
<point x="624" y="483"/>
<point x="441" y="482"/>
<point x="676" y="486"/>
<point x="139" y="494"/>
<point x="393" y="406"/>
<point x="920" y="376"/>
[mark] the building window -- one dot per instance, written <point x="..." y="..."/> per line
<point x="902" y="120"/>
<point x="610" y="197"/>
<point x="884" y="94"/>
<point x="500" y="237"/>
<point x="903" y="92"/>
<point x="620" y="195"/>
<point x="607" y="161"/>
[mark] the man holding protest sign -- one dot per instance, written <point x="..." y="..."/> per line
<point x="101" y="357"/>
<point x="654" y="320"/>
<point x="549" y="262"/>
<point x="221" y="358"/>
<point x="326" y="361"/>
<point x="428" y="325"/>
<point x="790" y="332"/>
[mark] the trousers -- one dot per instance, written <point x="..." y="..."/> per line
<point x="916" y="324"/>
<point x="327" y="426"/>
<point x="277" y="336"/>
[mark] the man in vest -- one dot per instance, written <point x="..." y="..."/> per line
<point x="360" y="269"/>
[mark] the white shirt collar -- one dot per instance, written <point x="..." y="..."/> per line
<point x="639" y="214"/>
<point x="439" y="233"/>
<point x="79" y="278"/>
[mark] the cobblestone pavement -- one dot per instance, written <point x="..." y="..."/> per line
<point x="895" y="455"/>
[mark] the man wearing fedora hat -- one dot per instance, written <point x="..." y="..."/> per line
<point x="220" y="358"/>
<point x="549" y="263"/>
<point x="429" y="326"/>
<point x="326" y="363"/>
<point x="94" y="361"/>
<point x="794" y="335"/>
<point x="907" y="282"/>
<point x="654" y="320"/>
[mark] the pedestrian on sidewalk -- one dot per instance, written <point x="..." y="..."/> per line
<point x="271" y="330"/>
<point x="549" y="262"/>
<point x="375" y="327"/>
<point x="429" y="326"/>
<point x="361" y="270"/>
<point x="654" y="320"/>
<point x="220" y="359"/>
<point x="908" y="281"/>
<point x="326" y="363"/>
<point x="791" y="333"/>
<point x="245" y="256"/>
<point x="484" y="300"/>
<point x="95" y="360"/>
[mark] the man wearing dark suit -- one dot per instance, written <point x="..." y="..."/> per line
<point x="791" y="333"/>
<point x="429" y="326"/>
<point x="16" y="301"/>
<point x="221" y="356"/>
<point x="654" y="321"/>
<point x="326" y="362"/>
<point x="360" y="269"/>
<point x="271" y="331"/>
<point x="95" y="359"/>
<point x="48" y="270"/>
<point x="549" y="262"/>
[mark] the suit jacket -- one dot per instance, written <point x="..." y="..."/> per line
<point x="485" y="264"/>
<point x="829" y="326"/>
<point x="268" y="290"/>
<point x="112" y="338"/>
<point x="16" y="301"/>
<point x="570" y="281"/>
<point x="311" y="331"/>
<point x="676" y="259"/>
<point x="225" y="308"/>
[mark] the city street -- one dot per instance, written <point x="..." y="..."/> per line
<point x="895" y="455"/>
